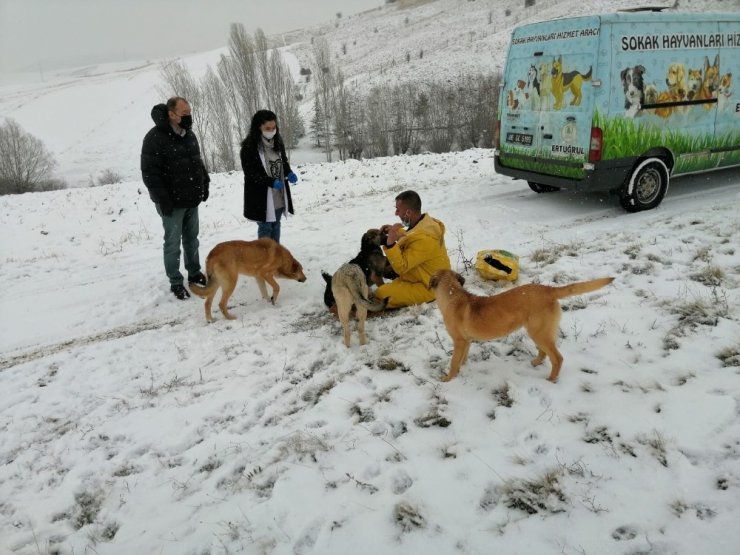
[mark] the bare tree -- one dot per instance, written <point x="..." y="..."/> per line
<point x="180" y="82"/>
<point x="443" y="118"/>
<point x="478" y="104"/>
<point x="349" y="121"/>
<point x="227" y="71"/>
<point x="25" y="164"/>
<point x="324" y="84"/>
<point x="263" y="65"/>
<point x="241" y="66"/>
<point x="403" y="118"/>
<point x="282" y="98"/>
<point x="377" y="122"/>
<point x="217" y="107"/>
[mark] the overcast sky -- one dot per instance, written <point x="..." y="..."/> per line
<point x="47" y="34"/>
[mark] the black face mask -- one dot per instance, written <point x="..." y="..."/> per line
<point x="186" y="122"/>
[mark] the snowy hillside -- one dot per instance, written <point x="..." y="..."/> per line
<point x="128" y="425"/>
<point x="101" y="113"/>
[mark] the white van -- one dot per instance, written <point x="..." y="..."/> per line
<point x="620" y="102"/>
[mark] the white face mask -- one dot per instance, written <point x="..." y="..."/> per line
<point x="268" y="134"/>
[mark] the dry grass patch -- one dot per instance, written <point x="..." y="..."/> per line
<point x="730" y="356"/>
<point x="540" y="495"/>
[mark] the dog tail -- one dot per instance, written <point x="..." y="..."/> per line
<point x="370" y="305"/>
<point x="587" y="77"/>
<point x="581" y="287"/>
<point x="204" y="291"/>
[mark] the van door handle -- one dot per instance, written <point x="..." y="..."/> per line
<point x="547" y="135"/>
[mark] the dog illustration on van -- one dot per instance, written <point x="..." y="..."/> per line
<point x="533" y="88"/>
<point x="634" y="90"/>
<point x="710" y="84"/>
<point x="724" y="93"/>
<point x="570" y="81"/>
<point x="676" y="91"/>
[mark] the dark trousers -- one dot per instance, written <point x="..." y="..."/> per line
<point x="180" y="226"/>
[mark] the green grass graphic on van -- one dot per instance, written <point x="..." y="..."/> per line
<point x="629" y="139"/>
<point x="545" y="167"/>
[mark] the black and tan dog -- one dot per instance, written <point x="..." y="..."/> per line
<point x="370" y="259"/>
<point x="264" y="259"/>
<point x="469" y="317"/>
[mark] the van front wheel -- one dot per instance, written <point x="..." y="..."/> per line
<point x="646" y="186"/>
<point x="540" y="188"/>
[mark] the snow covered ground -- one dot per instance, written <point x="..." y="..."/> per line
<point x="129" y="425"/>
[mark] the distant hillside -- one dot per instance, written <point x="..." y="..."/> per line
<point x="443" y="39"/>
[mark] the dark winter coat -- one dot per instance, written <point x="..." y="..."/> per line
<point x="257" y="184"/>
<point x="171" y="165"/>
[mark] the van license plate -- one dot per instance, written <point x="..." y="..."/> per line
<point x="519" y="139"/>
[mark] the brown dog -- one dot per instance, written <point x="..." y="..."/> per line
<point x="710" y="83"/>
<point x="349" y="287"/>
<point x="263" y="259"/>
<point x="468" y="317"/>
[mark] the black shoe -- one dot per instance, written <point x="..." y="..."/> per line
<point x="180" y="292"/>
<point x="198" y="279"/>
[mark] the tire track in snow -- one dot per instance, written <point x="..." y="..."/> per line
<point x="114" y="333"/>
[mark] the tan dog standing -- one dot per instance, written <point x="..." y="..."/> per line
<point x="263" y="259"/>
<point x="469" y="317"/>
<point x="349" y="287"/>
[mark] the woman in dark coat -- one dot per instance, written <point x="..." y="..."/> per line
<point x="267" y="175"/>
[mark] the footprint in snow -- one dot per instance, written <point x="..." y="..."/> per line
<point x="624" y="533"/>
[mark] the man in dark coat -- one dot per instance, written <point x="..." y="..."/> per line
<point x="177" y="180"/>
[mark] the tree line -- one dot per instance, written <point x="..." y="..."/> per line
<point x="409" y="118"/>
<point x="389" y="119"/>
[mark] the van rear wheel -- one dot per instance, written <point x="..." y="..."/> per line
<point x="646" y="186"/>
<point x="540" y="188"/>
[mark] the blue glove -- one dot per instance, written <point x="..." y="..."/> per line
<point x="292" y="177"/>
<point x="277" y="185"/>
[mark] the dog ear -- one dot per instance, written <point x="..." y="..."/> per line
<point x="327" y="277"/>
<point x="640" y="69"/>
<point x="623" y="74"/>
<point x="460" y="279"/>
<point x="370" y="239"/>
<point x="434" y="281"/>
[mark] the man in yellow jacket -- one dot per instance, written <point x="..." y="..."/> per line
<point x="415" y="249"/>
